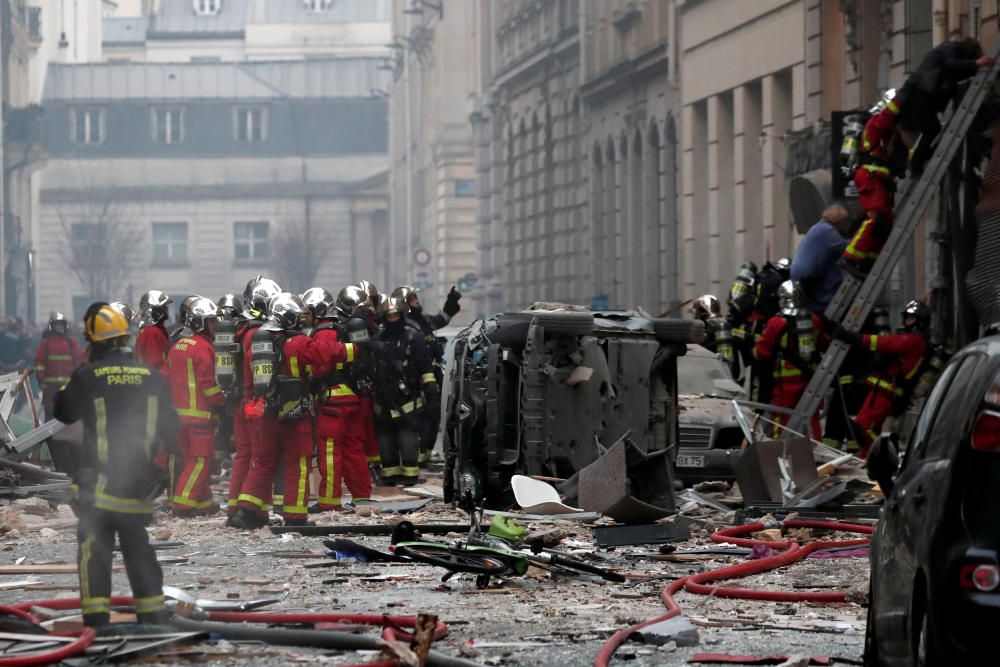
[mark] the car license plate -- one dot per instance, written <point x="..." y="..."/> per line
<point x="690" y="461"/>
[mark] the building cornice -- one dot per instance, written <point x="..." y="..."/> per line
<point x="650" y="64"/>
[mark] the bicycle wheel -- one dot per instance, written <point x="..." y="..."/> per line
<point x="455" y="560"/>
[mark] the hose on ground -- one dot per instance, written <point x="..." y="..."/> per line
<point x="311" y="638"/>
<point x="232" y="624"/>
<point x="790" y="552"/>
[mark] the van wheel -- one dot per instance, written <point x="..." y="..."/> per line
<point x="556" y="322"/>
<point x="679" y="331"/>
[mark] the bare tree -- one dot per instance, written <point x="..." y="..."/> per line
<point x="102" y="248"/>
<point x="298" y="250"/>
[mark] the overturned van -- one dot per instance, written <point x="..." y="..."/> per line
<point x="548" y="391"/>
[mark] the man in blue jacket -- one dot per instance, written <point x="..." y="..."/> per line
<point x="815" y="265"/>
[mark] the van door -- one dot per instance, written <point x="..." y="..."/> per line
<point x="914" y="505"/>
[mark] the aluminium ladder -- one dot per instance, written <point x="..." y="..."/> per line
<point x="854" y="299"/>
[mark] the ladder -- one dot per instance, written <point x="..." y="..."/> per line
<point x="854" y="299"/>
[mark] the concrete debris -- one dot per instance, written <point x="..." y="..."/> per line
<point x="36" y="506"/>
<point x="678" y="630"/>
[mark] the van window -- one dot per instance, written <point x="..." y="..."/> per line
<point x="957" y="407"/>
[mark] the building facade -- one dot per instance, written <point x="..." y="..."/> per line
<point x="240" y="30"/>
<point x="432" y="239"/>
<point x="531" y="173"/>
<point x="630" y="104"/>
<point x="194" y="177"/>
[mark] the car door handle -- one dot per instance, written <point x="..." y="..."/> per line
<point x="919" y="496"/>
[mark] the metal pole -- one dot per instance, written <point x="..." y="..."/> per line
<point x="407" y="278"/>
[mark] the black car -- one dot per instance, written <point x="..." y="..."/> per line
<point x="935" y="555"/>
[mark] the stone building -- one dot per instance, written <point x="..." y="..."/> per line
<point x="630" y="102"/>
<point x="533" y="234"/>
<point x="193" y="177"/>
<point x="432" y="240"/>
<point x="233" y="30"/>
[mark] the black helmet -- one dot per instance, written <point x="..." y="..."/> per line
<point x="916" y="316"/>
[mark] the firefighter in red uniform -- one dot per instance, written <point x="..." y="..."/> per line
<point x="58" y="356"/>
<point x="256" y="296"/>
<point x="283" y="396"/>
<point x="794" y="339"/>
<point x="196" y="395"/>
<point x="880" y="162"/>
<point x="152" y="342"/>
<point x="894" y="379"/>
<point x="340" y="425"/>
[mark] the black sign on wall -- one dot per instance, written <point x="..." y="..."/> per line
<point x="843" y="123"/>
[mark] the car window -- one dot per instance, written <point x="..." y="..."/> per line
<point x="918" y="441"/>
<point x="696" y="374"/>
<point x="957" y="407"/>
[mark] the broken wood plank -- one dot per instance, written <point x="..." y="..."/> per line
<point x="49" y="568"/>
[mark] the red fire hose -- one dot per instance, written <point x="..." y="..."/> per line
<point x="392" y="627"/>
<point x="791" y="552"/>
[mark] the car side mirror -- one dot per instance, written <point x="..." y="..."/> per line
<point x="731" y="386"/>
<point x="883" y="462"/>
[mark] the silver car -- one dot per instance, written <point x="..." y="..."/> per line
<point x="710" y="437"/>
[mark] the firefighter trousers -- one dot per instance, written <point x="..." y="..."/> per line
<point x="192" y="490"/>
<point x="373" y="453"/>
<point x="868" y="423"/>
<point x="340" y="435"/>
<point x="256" y="493"/>
<point x="431" y="423"/>
<point x="399" y="440"/>
<point x="241" y="459"/>
<point x="876" y="195"/>
<point x="787" y="392"/>
<point x="96" y="542"/>
<point x="65" y="456"/>
<point x="297" y="449"/>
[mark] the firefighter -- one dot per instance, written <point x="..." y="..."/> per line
<point x="895" y="376"/>
<point x="152" y="342"/>
<point x="718" y="335"/>
<point x="227" y="356"/>
<point x="57" y="357"/>
<point x="849" y="388"/>
<point x="340" y="422"/>
<point x="881" y="159"/>
<point x="427" y="325"/>
<point x="930" y="88"/>
<point x="739" y="305"/>
<point x="259" y="433"/>
<point x="354" y="316"/>
<point x="125" y="408"/>
<point x="404" y="374"/>
<point x="181" y="330"/>
<point x="765" y="306"/>
<point x="281" y="390"/>
<point x="793" y="340"/>
<point x="197" y="396"/>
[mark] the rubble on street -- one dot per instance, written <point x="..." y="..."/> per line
<point x="534" y="619"/>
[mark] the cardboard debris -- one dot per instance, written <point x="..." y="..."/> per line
<point x="537" y="497"/>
